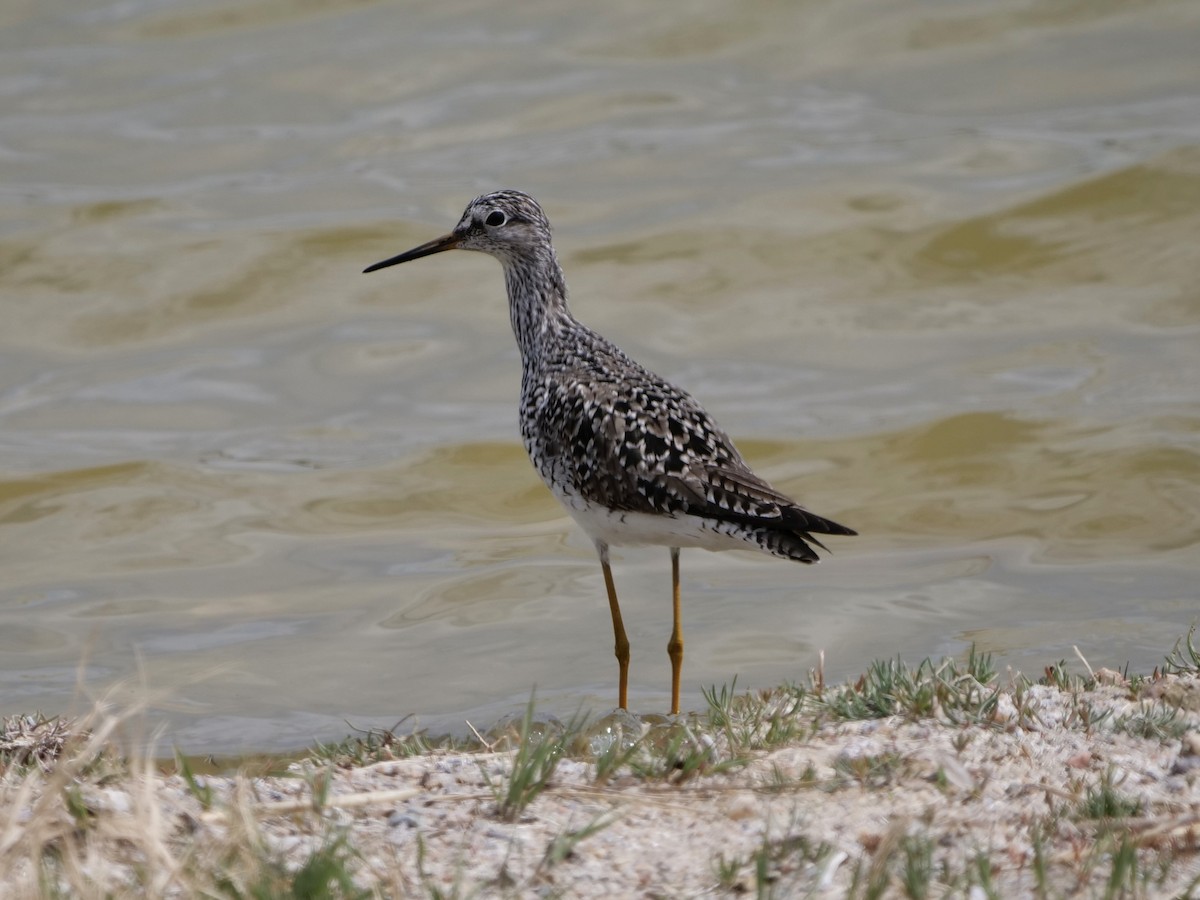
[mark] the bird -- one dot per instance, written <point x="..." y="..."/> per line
<point x="634" y="459"/>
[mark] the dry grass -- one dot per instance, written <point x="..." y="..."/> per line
<point x="79" y="818"/>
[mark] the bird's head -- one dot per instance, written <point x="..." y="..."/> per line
<point x="510" y="225"/>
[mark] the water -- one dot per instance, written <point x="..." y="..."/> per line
<point x="932" y="265"/>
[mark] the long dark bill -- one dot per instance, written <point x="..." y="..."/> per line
<point x="437" y="245"/>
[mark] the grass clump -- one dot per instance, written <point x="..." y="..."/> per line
<point x="758" y="721"/>
<point x="539" y="750"/>
<point x="1104" y="801"/>
<point x="373" y="745"/>
<point x="676" y="753"/>
<point x="1155" y="721"/>
<point x="35" y="740"/>
<point x="1185" y="659"/>
<point x="611" y="753"/>
<point x="563" y="845"/>
<point x="916" y="875"/>
<point x="962" y="693"/>
<point x="325" y="874"/>
<point x="871" y="770"/>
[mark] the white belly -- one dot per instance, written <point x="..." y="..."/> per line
<point x="617" y="528"/>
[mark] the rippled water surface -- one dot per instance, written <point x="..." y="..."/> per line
<point x="933" y="265"/>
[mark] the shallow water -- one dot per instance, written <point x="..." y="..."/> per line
<point x="933" y="266"/>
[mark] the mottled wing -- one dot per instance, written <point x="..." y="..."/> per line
<point x="619" y="443"/>
<point x="637" y="443"/>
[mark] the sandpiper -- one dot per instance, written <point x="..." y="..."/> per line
<point x="634" y="459"/>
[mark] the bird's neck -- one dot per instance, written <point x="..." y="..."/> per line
<point x="537" y="301"/>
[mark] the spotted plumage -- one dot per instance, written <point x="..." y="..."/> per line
<point x="634" y="459"/>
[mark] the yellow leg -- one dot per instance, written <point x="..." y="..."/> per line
<point x="675" y="644"/>
<point x="622" y="642"/>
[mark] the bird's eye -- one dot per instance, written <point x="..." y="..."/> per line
<point x="495" y="218"/>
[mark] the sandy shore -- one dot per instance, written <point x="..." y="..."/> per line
<point x="1076" y="787"/>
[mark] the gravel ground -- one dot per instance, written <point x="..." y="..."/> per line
<point x="1062" y="793"/>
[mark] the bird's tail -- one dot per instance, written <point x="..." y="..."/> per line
<point x="792" y="537"/>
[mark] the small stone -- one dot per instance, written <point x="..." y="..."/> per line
<point x="1190" y="745"/>
<point x="399" y="817"/>
<point x="830" y="869"/>
<point x="1005" y="711"/>
<point x="116" y="802"/>
<point x="956" y="774"/>
<point x="870" y="840"/>
<point x="285" y="844"/>
<point x="1081" y="760"/>
<point x="739" y="808"/>
<point x="1185" y="765"/>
